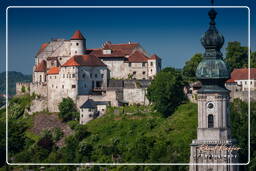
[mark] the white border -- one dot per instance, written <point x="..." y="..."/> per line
<point x="80" y="164"/>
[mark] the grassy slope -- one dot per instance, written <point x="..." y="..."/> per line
<point x="174" y="133"/>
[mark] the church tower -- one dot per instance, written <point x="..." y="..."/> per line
<point x="213" y="132"/>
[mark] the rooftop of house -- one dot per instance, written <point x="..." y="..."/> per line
<point x="83" y="60"/>
<point x="41" y="67"/>
<point x="242" y="74"/>
<point x="53" y="70"/>
<point x="93" y="104"/>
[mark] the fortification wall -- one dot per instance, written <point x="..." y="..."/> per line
<point x="135" y="96"/>
<point x="22" y="88"/>
<point x="38" y="89"/>
<point x="243" y="95"/>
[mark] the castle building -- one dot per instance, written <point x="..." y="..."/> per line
<point x="240" y="80"/>
<point x="113" y="74"/>
<point x="213" y="150"/>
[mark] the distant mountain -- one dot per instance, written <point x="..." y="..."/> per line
<point x="13" y="77"/>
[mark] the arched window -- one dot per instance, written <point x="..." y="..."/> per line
<point x="210" y="121"/>
<point x="40" y="78"/>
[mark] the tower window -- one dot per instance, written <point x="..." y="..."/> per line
<point x="77" y="44"/>
<point x="73" y="75"/>
<point x="134" y="72"/>
<point x="73" y="86"/>
<point x="210" y="121"/>
<point x="151" y="63"/>
<point x="83" y="75"/>
<point x="102" y="75"/>
<point x="75" y="51"/>
<point x="143" y="72"/>
<point x="143" y="64"/>
<point x="130" y="64"/>
<point x="96" y="75"/>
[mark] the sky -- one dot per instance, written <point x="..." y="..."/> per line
<point x="171" y="33"/>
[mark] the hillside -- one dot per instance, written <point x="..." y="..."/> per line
<point x="13" y="77"/>
<point x="125" y="134"/>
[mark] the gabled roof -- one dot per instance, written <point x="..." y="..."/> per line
<point x="41" y="67"/>
<point x="242" y="74"/>
<point x="84" y="60"/>
<point x="43" y="46"/>
<point x="137" y="56"/>
<point x="93" y="104"/>
<point x="117" y="50"/>
<point x="154" y="56"/>
<point x="77" y="36"/>
<point x="53" y="70"/>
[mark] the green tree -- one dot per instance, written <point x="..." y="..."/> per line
<point x="166" y="91"/>
<point x="189" y="70"/>
<point x="81" y="132"/>
<point x="253" y="60"/>
<point x="68" y="110"/>
<point x="236" y="55"/>
<point x="16" y="136"/>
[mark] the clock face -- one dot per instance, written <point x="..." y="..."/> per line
<point x="210" y="105"/>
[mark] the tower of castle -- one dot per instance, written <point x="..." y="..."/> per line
<point x="78" y="44"/>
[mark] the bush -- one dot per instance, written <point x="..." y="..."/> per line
<point x="68" y="110"/>
<point x="57" y="134"/>
<point x="23" y="89"/>
<point x="166" y="91"/>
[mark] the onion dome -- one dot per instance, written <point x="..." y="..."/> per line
<point x="212" y="39"/>
<point x="212" y="70"/>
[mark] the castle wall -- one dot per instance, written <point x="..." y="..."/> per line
<point x="91" y="77"/>
<point x="38" y="89"/>
<point x="117" y="67"/>
<point x="138" y="70"/>
<point x="135" y="96"/>
<point x="22" y="86"/>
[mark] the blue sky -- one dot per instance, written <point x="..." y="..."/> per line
<point x="173" y="33"/>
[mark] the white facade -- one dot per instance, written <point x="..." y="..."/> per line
<point x="246" y="84"/>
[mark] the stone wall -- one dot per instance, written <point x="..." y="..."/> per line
<point x="38" y="89"/>
<point x="243" y="95"/>
<point x="19" y="87"/>
<point x="135" y="96"/>
<point x="38" y="105"/>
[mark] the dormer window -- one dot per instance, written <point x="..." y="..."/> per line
<point x="106" y="51"/>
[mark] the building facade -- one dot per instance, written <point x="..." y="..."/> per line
<point x="66" y="68"/>
<point x="209" y="151"/>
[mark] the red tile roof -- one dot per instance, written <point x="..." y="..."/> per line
<point x="138" y="56"/>
<point x="53" y="70"/>
<point x="84" y="60"/>
<point x="43" y="46"/>
<point x="41" y="67"/>
<point x="154" y="56"/>
<point x="242" y="74"/>
<point x="117" y="50"/>
<point x="114" y="53"/>
<point x="77" y="36"/>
